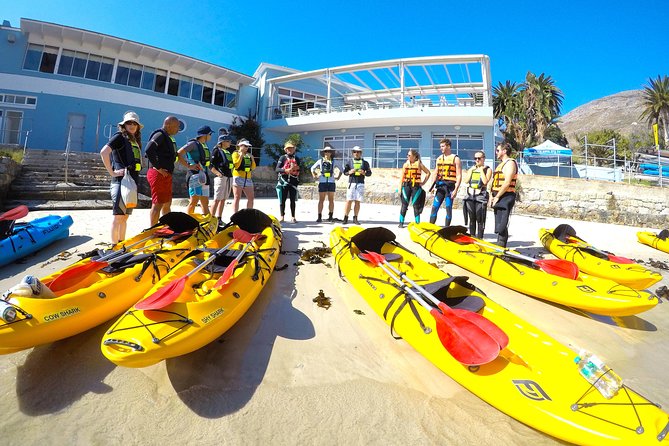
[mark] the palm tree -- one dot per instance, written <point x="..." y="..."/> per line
<point x="542" y="102"/>
<point x="507" y="104"/>
<point x="656" y="104"/>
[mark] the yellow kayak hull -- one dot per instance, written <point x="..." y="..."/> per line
<point x="587" y="293"/>
<point x="651" y="239"/>
<point x="534" y="379"/>
<point x="632" y="275"/>
<point x="200" y="314"/>
<point x="98" y="296"/>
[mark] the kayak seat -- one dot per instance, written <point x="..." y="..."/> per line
<point x="222" y="261"/>
<point x="664" y="234"/>
<point x="126" y="263"/>
<point x="441" y="288"/>
<point x="6" y="228"/>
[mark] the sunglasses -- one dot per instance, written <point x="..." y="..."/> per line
<point x="131" y="123"/>
<point x="478" y="158"/>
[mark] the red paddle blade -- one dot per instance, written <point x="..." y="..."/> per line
<point x="559" y="267"/>
<point x="242" y="236"/>
<point x="620" y="259"/>
<point x="484" y="324"/>
<point x="75" y="275"/>
<point x="373" y="257"/>
<point x="464" y="340"/>
<point x="16" y="213"/>
<point x="226" y="274"/>
<point x="163" y="296"/>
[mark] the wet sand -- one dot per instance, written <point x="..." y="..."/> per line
<point x="291" y="372"/>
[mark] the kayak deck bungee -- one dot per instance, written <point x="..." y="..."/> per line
<point x="199" y="313"/>
<point x="587" y="293"/>
<point x="97" y="296"/>
<point x="533" y="379"/>
<point x="563" y="243"/>
<point x="22" y="239"/>
<point x="659" y="241"/>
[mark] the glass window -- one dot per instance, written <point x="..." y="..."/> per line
<point x="49" y="56"/>
<point x="106" y="69"/>
<point x="122" y="72"/>
<point x="33" y="57"/>
<point x="66" y="61"/>
<point x="12" y="130"/>
<point x="207" y="92"/>
<point x="20" y="100"/>
<point x="230" y="99"/>
<point x="148" y="78"/>
<point x="185" y="86"/>
<point x="10" y="98"/>
<point x="161" y="81"/>
<point x="31" y="101"/>
<point x="93" y="67"/>
<point x="219" y="97"/>
<point x="173" y="84"/>
<point x="135" y="75"/>
<point x="196" y="92"/>
<point x="79" y="65"/>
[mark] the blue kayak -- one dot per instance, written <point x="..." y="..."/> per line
<point x="26" y="238"/>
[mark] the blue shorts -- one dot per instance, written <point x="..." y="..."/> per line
<point x="327" y="187"/>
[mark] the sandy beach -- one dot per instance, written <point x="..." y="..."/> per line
<point x="291" y="372"/>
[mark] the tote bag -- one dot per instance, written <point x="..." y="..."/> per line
<point x="129" y="191"/>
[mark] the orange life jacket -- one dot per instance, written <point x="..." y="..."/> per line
<point x="446" y="168"/>
<point x="498" y="177"/>
<point x="412" y="174"/>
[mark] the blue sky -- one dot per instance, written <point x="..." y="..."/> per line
<point x="590" y="48"/>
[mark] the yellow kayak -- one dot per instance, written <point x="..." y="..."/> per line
<point x="181" y="320"/>
<point x="93" y="296"/>
<point x="588" y="293"/>
<point x="534" y="379"/>
<point x="658" y="241"/>
<point x="563" y="243"/>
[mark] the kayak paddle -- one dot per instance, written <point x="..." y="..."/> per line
<point x="231" y="267"/>
<point x="74" y="275"/>
<point x="16" y="213"/>
<point x="558" y="267"/>
<point x="611" y="257"/>
<point x="482" y="322"/>
<point x="463" y="339"/>
<point x="171" y="291"/>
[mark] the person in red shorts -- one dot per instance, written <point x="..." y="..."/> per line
<point x="161" y="150"/>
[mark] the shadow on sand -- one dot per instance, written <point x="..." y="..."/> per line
<point x="56" y="375"/>
<point x="222" y="377"/>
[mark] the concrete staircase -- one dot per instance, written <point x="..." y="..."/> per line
<point x="51" y="180"/>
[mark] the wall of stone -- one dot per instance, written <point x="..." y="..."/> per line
<point x="9" y="169"/>
<point x="589" y="200"/>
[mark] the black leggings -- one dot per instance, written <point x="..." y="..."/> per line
<point x="503" y="210"/>
<point x="285" y="192"/>
<point x="475" y="209"/>
<point x="414" y="196"/>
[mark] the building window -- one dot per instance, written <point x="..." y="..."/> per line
<point x="464" y="145"/>
<point x="230" y="99"/>
<point x="185" y="86"/>
<point x="66" y="62"/>
<point x="11" y="130"/>
<point x="148" y="78"/>
<point x="196" y="92"/>
<point x="24" y="101"/>
<point x="390" y="150"/>
<point x="41" y="58"/>
<point x="128" y="73"/>
<point x="208" y="92"/>
<point x="343" y="144"/>
<point x="161" y="81"/>
<point x="173" y="84"/>
<point x="79" y="64"/>
<point x="135" y="75"/>
<point x="93" y="67"/>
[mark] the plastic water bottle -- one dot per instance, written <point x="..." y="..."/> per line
<point x="37" y="287"/>
<point x="598" y="374"/>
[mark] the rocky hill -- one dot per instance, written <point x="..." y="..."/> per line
<point x="619" y="112"/>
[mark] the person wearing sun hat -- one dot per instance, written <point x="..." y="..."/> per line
<point x="196" y="157"/>
<point x="288" y="169"/>
<point x="356" y="169"/>
<point x="327" y="172"/>
<point x="244" y="164"/>
<point x="221" y="167"/>
<point x="123" y="153"/>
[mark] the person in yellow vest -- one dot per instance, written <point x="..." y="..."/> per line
<point x="356" y="169"/>
<point x="447" y="177"/>
<point x="221" y="167"/>
<point x="503" y="191"/>
<point x="475" y="204"/>
<point x="244" y="164"/>
<point x="411" y="186"/>
<point x="196" y="157"/>
<point x="327" y="171"/>
<point x="123" y="153"/>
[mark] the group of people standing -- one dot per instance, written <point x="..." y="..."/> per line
<point x="484" y="188"/>
<point x="230" y="167"/>
<point x="232" y="172"/>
